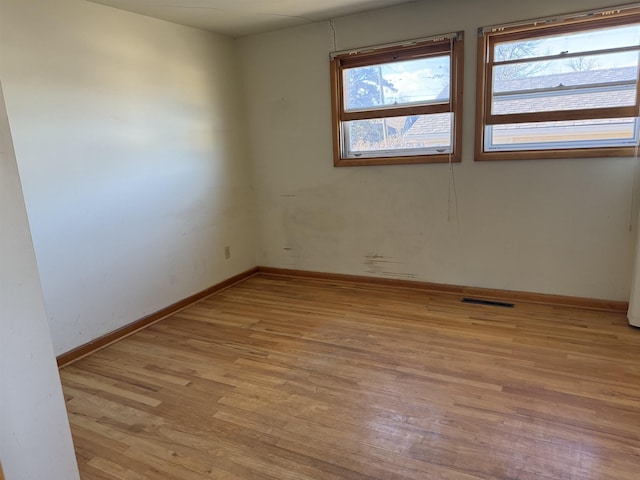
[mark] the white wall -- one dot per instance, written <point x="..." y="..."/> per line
<point x="131" y="149"/>
<point x="133" y="154"/>
<point x="35" y="441"/>
<point x="554" y="226"/>
<point x="634" y="304"/>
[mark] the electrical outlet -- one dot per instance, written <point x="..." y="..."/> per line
<point x="227" y="253"/>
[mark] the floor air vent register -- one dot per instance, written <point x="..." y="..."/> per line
<point x="491" y="303"/>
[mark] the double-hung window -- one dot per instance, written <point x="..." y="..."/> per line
<point x="399" y="103"/>
<point x="561" y="87"/>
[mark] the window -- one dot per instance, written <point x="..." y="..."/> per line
<point x="398" y="104"/>
<point x="562" y="87"/>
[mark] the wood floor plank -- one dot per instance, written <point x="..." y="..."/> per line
<point x="298" y="378"/>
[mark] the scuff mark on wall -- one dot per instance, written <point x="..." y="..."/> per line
<point x="376" y="264"/>
<point x="310" y="231"/>
<point x="400" y="275"/>
<point x="372" y="262"/>
<point x="291" y="248"/>
<point x="292" y="257"/>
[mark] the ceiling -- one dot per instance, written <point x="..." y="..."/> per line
<point x="237" y="18"/>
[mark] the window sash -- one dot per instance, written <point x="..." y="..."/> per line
<point x="442" y="48"/>
<point x="559" y="115"/>
<point x="560" y="56"/>
<point x="438" y="141"/>
<point x="577" y="114"/>
<point x="565" y="114"/>
<point x="587" y="140"/>
<point x="449" y="45"/>
<point x="395" y="112"/>
<point x="532" y="30"/>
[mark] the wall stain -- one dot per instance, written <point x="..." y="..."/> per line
<point x="400" y="275"/>
<point x="376" y="265"/>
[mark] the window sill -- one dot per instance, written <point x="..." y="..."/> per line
<point x="553" y="154"/>
<point x="362" y="162"/>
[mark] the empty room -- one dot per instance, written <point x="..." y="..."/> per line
<point x="338" y="239"/>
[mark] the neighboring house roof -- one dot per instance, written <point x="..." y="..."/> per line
<point x="586" y="77"/>
<point x="564" y="100"/>
<point x="429" y="125"/>
<point x="612" y="92"/>
<point x="435" y="125"/>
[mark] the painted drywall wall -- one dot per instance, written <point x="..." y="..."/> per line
<point x="131" y="150"/>
<point x="634" y="303"/>
<point x="554" y="226"/>
<point x="35" y="440"/>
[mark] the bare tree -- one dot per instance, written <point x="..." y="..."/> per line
<point x="583" y="64"/>
<point x="516" y="51"/>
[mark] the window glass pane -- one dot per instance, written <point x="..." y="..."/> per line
<point x="559" y="85"/>
<point x="402" y="83"/>
<point x="564" y="100"/>
<point x="565" y="134"/>
<point x="570" y="72"/>
<point x="578" y="42"/>
<point x="556" y="75"/>
<point x="395" y="136"/>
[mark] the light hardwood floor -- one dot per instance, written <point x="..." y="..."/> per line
<point x="289" y="378"/>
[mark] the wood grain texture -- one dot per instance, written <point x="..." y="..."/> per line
<point x="306" y="379"/>
<point x="94" y="345"/>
